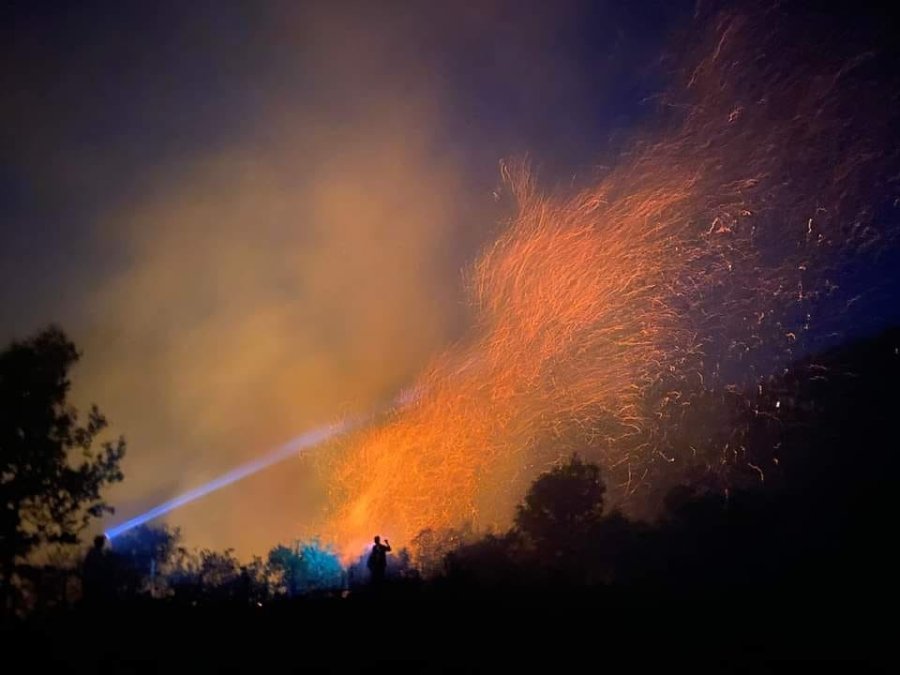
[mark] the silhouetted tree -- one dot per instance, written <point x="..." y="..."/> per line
<point x="309" y="567"/>
<point x="562" y="508"/>
<point x="491" y="562"/>
<point x="218" y="569"/>
<point x="431" y="546"/>
<point x="51" y="475"/>
<point x="140" y="558"/>
<point x="558" y="535"/>
<point x="214" y="576"/>
<point x="400" y="566"/>
<point x="256" y="575"/>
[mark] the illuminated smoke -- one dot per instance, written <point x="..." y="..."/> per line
<point x="283" y="452"/>
<point x="617" y="322"/>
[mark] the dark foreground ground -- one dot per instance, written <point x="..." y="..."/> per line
<point x="799" y="579"/>
<point x="406" y="630"/>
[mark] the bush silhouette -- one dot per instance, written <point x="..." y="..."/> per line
<point x="562" y="508"/>
<point x="52" y="472"/>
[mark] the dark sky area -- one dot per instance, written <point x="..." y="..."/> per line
<point x="101" y="98"/>
<point x="253" y="216"/>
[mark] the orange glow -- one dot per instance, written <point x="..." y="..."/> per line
<point x="574" y="323"/>
<point x="601" y="318"/>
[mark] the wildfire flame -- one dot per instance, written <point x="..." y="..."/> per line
<point x="603" y="319"/>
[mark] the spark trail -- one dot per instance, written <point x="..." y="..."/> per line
<point x="626" y="321"/>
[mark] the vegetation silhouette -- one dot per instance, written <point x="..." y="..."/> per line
<point x="52" y="470"/>
<point x="786" y="561"/>
<point x="818" y="522"/>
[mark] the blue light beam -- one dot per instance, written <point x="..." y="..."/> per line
<point x="279" y="454"/>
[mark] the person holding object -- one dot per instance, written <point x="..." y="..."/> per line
<point x="377" y="562"/>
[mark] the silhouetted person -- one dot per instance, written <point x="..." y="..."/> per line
<point x="244" y="586"/>
<point x="377" y="562"/>
<point x="96" y="581"/>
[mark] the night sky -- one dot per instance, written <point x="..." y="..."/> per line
<point x="253" y="217"/>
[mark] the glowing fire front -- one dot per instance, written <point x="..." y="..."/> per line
<point x="604" y="321"/>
